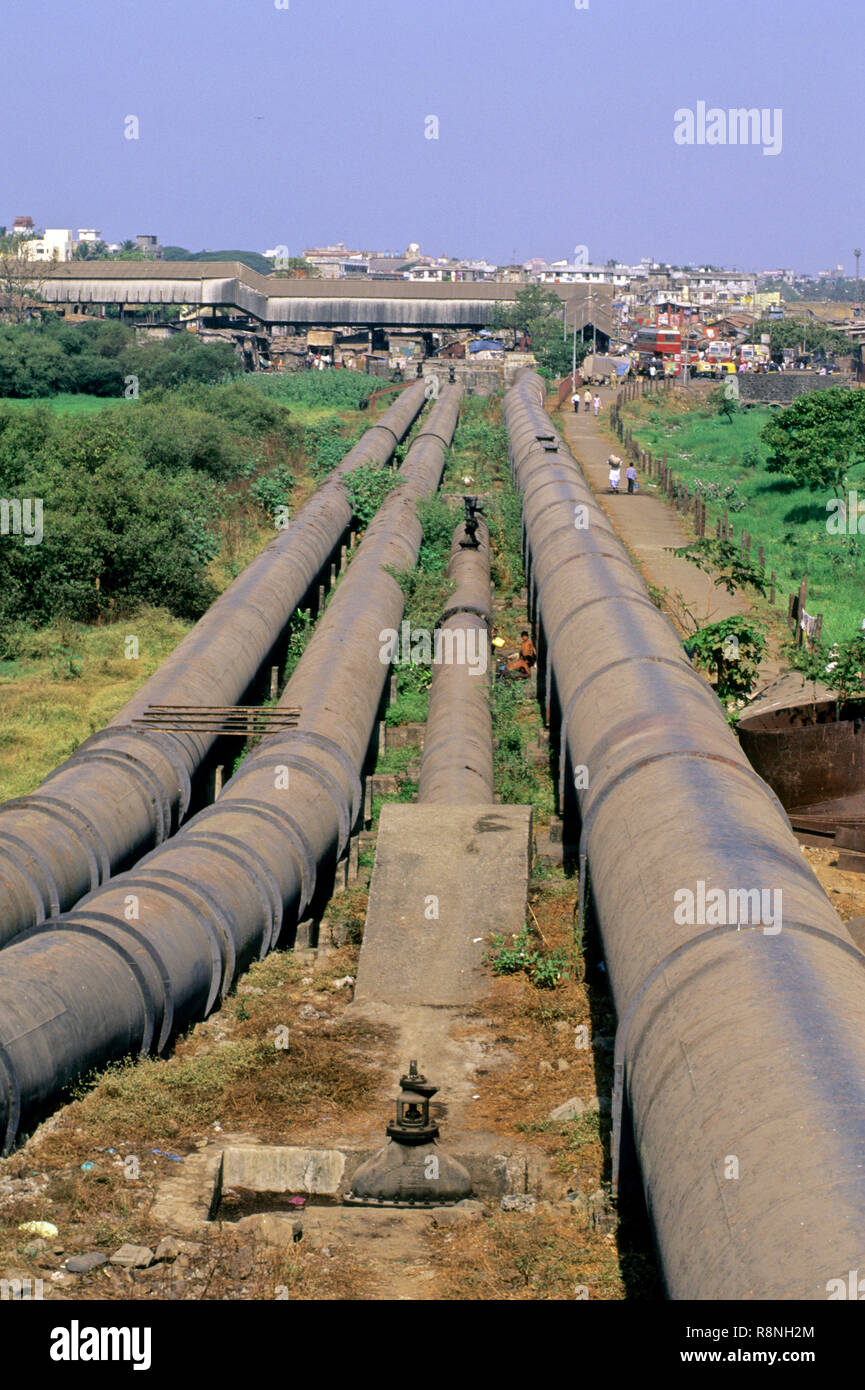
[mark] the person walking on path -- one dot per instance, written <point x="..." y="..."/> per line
<point x="615" y="472"/>
<point x="597" y="405"/>
<point x="575" y="401"/>
<point x="631" y="475"/>
<point x="587" y="399"/>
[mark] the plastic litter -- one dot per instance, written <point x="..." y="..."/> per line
<point x="46" y="1229"/>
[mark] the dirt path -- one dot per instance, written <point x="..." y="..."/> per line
<point x="650" y="528"/>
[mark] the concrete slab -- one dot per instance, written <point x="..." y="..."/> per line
<point x="444" y="878"/>
<point x="269" y="1168"/>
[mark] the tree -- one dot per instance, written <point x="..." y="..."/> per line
<point x="21" y="281"/>
<point x="531" y="306"/>
<point x="818" y="439"/>
<point x="294" y="266"/>
<point x="535" y="313"/>
<point x="91" y="251"/>
<point x="789" y="333"/>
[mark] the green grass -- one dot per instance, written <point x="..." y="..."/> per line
<point x="65" y="683"/>
<point x="67" y="403"/>
<point x="397" y="760"/>
<point x="788" y="521"/>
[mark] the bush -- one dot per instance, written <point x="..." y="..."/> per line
<point x="367" y="489"/>
<point x="115" y="535"/>
<point x="273" y="489"/>
<point x="44" y="359"/>
<point x="178" y="360"/>
<point x="326" y="446"/>
<point x="248" y="411"/>
<point x="173" y="438"/>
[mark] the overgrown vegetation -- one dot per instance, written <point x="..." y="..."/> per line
<point x="149" y="509"/>
<point x="132" y="502"/>
<point x="537" y="315"/>
<point x="367" y="488"/>
<point x="102" y="359"/>
<point x="337" y="390"/>
<point x="425" y="588"/>
<point x="780" y="511"/>
<point x="731" y="650"/>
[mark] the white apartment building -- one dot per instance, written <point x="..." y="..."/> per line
<point x="56" y="245"/>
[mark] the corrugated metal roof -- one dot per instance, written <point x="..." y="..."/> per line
<point x="275" y="299"/>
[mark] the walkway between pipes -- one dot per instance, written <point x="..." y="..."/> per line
<point x="450" y="870"/>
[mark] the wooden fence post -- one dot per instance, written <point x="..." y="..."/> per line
<point x="818" y="631"/>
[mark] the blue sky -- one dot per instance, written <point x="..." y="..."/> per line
<point x="555" y="125"/>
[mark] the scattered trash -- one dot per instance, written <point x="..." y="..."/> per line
<point x="85" y="1167"/>
<point x="519" y="1201"/>
<point x="297" y="1201"/>
<point x="476" y="939"/>
<point x="45" y="1229"/>
<point x="175" y="1157"/>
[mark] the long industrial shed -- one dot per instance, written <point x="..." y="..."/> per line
<point x="127" y="788"/>
<point x="740" y="1048"/>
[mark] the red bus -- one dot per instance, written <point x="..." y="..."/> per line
<point x="661" y="346"/>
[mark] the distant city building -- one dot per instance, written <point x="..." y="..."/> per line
<point x="56" y="245"/>
<point x="90" y="234"/>
<point x="149" y="245"/>
<point x="335" y="262"/>
<point x="22" y="226"/>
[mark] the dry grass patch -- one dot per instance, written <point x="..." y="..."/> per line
<point x="546" y="1255"/>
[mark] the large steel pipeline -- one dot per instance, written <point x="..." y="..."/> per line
<point x="156" y="948"/>
<point x="126" y="789"/>
<point x="457" y="763"/>
<point x="740" y="996"/>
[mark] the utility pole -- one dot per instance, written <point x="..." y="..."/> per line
<point x="804" y="311"/>
<point x="857" y="253"/>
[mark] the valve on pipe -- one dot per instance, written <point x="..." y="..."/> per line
<point x="409" y="1171"/>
